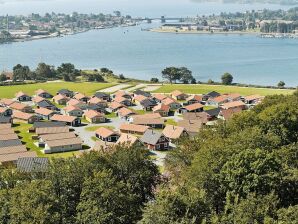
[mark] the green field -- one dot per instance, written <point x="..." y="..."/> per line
<point x="203" y="88"/>
<point x="84" y="87"/>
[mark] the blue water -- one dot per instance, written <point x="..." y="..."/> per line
<point x="141" y="54"/>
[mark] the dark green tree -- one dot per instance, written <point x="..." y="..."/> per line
<point x="227" y="79"/>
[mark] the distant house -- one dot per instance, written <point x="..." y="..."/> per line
<point x="102" y="96"/>
<point x="142" y="93"/>
<point x="44" y="94"/>
<point x="174" y="105"/>
<point x="200" y="116"/>
<point x="139" y="98"/>
<point x="178" y="95"/>
<point x="6" y="102"/>
<point x="44" y="113"/>
<point x="21" y="107"/>
<point x="154" y="140"/>
<point x="11" y="159"/>
<point x="114" y="106"/>
<point x="77" y="103"/>
<point x="123" y="100"/>
<point x="102" y="146"/>
<point x="253" y="99"/>
<point x="46" y="125"/>
<point x="5" y="112"/>
<point x="129" y="140"/>
<point x="60" y="99"/>
<point x="194" y="99"/>
<point x="125" y="112"/>
<point x="151" y="122"/>
<point x="22" y="97"/>
<point x="12" y="136"/>
<point x="69" y="120"/>
<point x="94" y="117"/>
<point x="66" y="92"/>
<point x="148" y="104"/>
<point x="145" y="116"/>
<point x="211" y="95"/>
<point x="52" y="130"/>
<point x="217" y="101"/>
<point x="106" y="135"/>
<point x="162" y="109"/>
<point x="234" y="104"/>
<point x="98" y="101"/>
<point x="81" y="97"/>
<point x="192" y="108"/>
<point x="46" y="104"/>
<point x="51" y="137"/>
<point x="174" y="132"/>
<point x="25" y="117"/>
<point x="233" y="96"/>
<point x="32" y="164"/>
<point x="122" y="93"/>
<point x="98" y="108"/>
<point x="213" y="113"/>
<point x="227" y="114"/>
<point x="73" y="111"/>
<point x="159" y="97"/>
<point x="191" y="126"/>
<point x="37" y="99"/>
<point x="63" y="145"/>
<point x="133" y="129"/>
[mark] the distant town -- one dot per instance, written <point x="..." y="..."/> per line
<point x="265" y="23"/>
<point x="35" y="26"/>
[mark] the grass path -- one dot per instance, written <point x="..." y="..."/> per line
<point x="203" y="88"/>
<point x="52" y="87"/>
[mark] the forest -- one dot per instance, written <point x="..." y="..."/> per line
<point x="241" y="171"/>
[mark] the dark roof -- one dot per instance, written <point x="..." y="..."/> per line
<point x="151" y="137"/>
<point x="148" y="103"/>
<point x="7" y="143"/>
<point x="45" y="103"/>
<point x="65" y="91"/>
<point x="213" y="94"/>
<point x="95" y="107"/>
<point x="4" y="119"/>
<point x="32" y="164"/>
<point x="48" y="124"/>
<point x="213" y="112"/>
<point x="141" y="92"/>
<point x="101" y="95"/>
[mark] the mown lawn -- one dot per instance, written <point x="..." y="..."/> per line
<point x="22" y="131"/>
<point x="203" y="88"/>
<point x="84" y="87"/>
<point x="171" y="122"/>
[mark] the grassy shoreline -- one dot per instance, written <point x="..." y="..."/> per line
<point x="205" y="88"/>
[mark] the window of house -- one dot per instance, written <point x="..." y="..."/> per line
<point x="157" y="146"/>
<point x="109" y="139"/>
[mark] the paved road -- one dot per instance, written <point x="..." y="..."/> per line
<point x="114" y="88"/>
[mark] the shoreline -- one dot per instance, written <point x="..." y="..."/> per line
<point x="158" y="30"/>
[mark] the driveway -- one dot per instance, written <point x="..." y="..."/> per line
<point x="87" y="135"/>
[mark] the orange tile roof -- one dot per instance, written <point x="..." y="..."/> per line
<point x="127" y="139"/>
<point x="15" y="156"/>
<point x="92" y="114"/>
<point x="134" y="128"/>
<point x="173" y="132"/>
<point x="74" y="102"/>
<point x="160" y="96"/>
<point x="140" y="98"/>
<point x="96" y="100"/>
<point x="40" y="91"/>
<point x="63" y="118"/>
<point x="177" y="93"/>
<point x="195" y="97"/>
<point x="64" y="142"/>
<point x="37" y="99"/>
<point x="6" y="102"/>
<point x="104" y="132"/>
<point x="71" y="108"/>
<point x="161" y="107"/>
<point x="233" y="104"/>
<point x="18" y="106"/>
<point x="43" y="111"/>
<point x="220" y="99"/>
<point x="52" y="130"/>
<point x="60" y="97"/>
<point x="7" y="137"/>
<point x="3" y="109"/>
<point x="147" y="116"/>
<point x="19" y="94"/>
<point x="194" y="106"/>
<point x="21" y="115"/>
<point x="120" y="99"/>
<point x="116" y="105"/>
<point x="253" y="97"/>
<point x="168" y="101"/>
<point x="125" y="112"/>
<point x="79" y="96"/>
<point x="228" y="113"/>
<point x="5" y="126"/>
